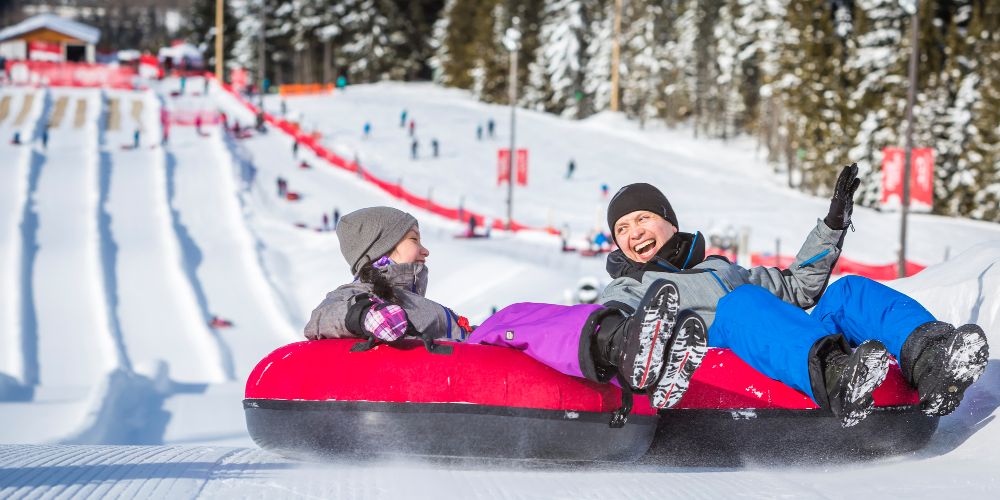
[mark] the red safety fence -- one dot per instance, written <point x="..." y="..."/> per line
<point x="189" y="117"/>
<point x="844" y="265"/>
<point x="393" y="189"/>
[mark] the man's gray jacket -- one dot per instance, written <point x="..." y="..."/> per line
<point x="702" y="285"/>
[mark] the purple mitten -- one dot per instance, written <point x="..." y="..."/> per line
<point x="387" y="322"/>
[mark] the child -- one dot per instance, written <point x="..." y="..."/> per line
<point x="386" y="301"/>
<point x="759" y="312"/>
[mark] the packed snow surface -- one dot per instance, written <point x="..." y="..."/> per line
<point x="116" y="259"/>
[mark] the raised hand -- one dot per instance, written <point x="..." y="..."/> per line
<point x="842" y="203"/>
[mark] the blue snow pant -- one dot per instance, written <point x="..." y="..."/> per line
<point x="776" y="337"/>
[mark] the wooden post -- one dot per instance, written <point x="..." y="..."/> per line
<point x="616" y="55"/>
<point x="219" y="13"/>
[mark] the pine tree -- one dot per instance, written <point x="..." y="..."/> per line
<point x="877" y="71"/>
<point x="983" y="152"/>
<point x="642" y="76"/>
<point x="556" y="76"/>
<point x="597" y="80"/>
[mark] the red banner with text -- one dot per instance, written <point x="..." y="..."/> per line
<point x="921" y="178"/>
<point x="503" y="166"/>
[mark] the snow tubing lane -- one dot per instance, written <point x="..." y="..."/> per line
<point x="318" y="399"/>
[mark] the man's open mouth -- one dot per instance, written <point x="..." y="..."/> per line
<point x="643" y="247"/>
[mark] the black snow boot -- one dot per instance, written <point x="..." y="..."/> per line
<point x="849" y="379"/>
<point x="684" y="354"/>
<point x="634" y="346"/>
<point x="942" y="361"/>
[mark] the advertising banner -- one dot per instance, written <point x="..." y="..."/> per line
<point x="503" y="166"/>
<point x="921" y="179"/>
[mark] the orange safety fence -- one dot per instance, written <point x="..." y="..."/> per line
<point x="305" y="88"/>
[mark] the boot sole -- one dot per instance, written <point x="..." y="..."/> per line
<point x="684" y="355"/>
<point x="869" y="367"/>
<point x="659" y="313"/>
<point x="967" y="356"/>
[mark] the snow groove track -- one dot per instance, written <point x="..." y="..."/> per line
<point x="13" y="190"/>
<point x="176" y="472"/>
<point x="105" y="471"/>
<point x="75" y="345"/>
<point x="208" y="206"/>
<point x="157" y="310"/>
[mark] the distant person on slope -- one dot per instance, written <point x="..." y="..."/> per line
<point x="413" y="149"/>
<point x="402" y="118"/>
<point x="386" y="301"/>
<point x="490" y="125"/>
<point x="839" y="353"/>
<point x="434" y="147"/>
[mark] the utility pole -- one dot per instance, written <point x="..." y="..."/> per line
<point x="219" y="13"/>
<point x="261" y="58"/>
<point x="616" y="55"/>
<point x="512" y="41"/>
<point x="913" y="6"/>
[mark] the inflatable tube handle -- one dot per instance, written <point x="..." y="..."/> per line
<point x="429" y="344"/>
<point x="436" y="348"/>
<point x="619" y="417"/>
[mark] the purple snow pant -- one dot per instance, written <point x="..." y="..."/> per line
<point x="548" y="333"/>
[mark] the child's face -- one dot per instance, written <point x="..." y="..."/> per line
<point x="409" y="249"/>
<point x="641" y="234"/>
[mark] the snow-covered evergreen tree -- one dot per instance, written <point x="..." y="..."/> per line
<point x="877" y="69"/>
<point x="641" y="78"/>
<point x="440" y="49"/>
<point x="372" y="37"/>
<point x="556" y="75"/>
<point x="597" y="79"/>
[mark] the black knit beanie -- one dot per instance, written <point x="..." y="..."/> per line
<point x="639" y="196"/>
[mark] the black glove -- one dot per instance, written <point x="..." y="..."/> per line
<point x="842" y="203"/>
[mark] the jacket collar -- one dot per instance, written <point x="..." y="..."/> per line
<point x="683" y="251"/>
<point x="411" y="277"/>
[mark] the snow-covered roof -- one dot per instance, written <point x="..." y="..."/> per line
<point x="179" y="51"/>
<point x="85" y="33"/>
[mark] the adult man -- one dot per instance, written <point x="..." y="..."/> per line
<point x="759" y="312"/>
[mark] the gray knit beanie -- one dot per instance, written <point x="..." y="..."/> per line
<point x="369" y="233"/>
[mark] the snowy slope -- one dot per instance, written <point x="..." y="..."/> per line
<point x="232" y="286"/>
<point x="195" y="229"/>
<point x="14" y="186"/>
<point x="159" y="315"/>
<point x="712" y="185"/>
<point x="74" y="338"/>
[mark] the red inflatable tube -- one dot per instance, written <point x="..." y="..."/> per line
<point x="323" y="399"/>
